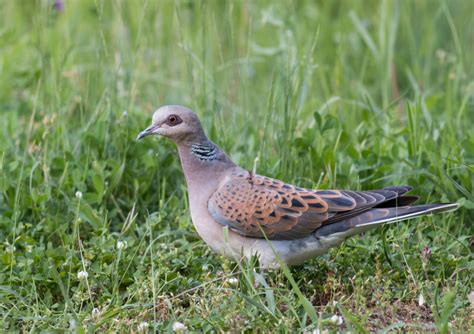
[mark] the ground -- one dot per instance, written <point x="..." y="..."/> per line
<point x="95" y="230"/>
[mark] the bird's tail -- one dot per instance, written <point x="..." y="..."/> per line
<point x="380" y="216"/>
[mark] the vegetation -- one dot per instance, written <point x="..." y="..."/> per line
<point x="94" y="227"/>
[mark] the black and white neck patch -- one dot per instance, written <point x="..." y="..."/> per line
<point x="204" y="152"/>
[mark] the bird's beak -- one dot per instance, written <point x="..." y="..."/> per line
<point x="148" y="131"/>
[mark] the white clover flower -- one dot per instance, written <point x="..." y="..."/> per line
<point x="121" y="244"/>
<point x="10" y="248"/>
<point x="95" y="312"/>
<point x="179" y="327"/>
<point x="82" y="275"/>
<point x="421" y="300"/>
<point x="78" y="194"/>
<point x="233" y="281"/>
<point x="142" y="326"/>
<point x="337" y="320"/>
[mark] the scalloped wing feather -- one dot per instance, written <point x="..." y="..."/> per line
<point x="258" y="206"/>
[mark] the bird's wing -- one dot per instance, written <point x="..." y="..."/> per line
<point x="258" y="206"/>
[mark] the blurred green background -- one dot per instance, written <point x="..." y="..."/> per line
<point x="346" y="94"/>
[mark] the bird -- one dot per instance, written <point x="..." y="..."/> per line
<point x="241" y="214"/>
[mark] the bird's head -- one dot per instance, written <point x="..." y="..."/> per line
<point x="175" y="122"/>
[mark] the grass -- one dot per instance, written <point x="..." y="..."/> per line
<point x="352" y="95"/>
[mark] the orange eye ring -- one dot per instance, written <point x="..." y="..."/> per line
<point x="173" y="120"/>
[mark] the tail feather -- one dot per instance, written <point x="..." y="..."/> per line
<point x="379" y="216"/>
<point x="390" y="215"/>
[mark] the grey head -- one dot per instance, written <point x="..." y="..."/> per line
<point x="178" y="123"/>
<point x="181" y="125"/>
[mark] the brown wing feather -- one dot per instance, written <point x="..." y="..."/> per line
<point x="258" y="206"/>
<point x="254" y="205"/>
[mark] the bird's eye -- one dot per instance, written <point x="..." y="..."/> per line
<point x="173" y="120"/>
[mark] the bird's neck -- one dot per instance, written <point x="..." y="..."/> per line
<point x="204" y="165"/>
